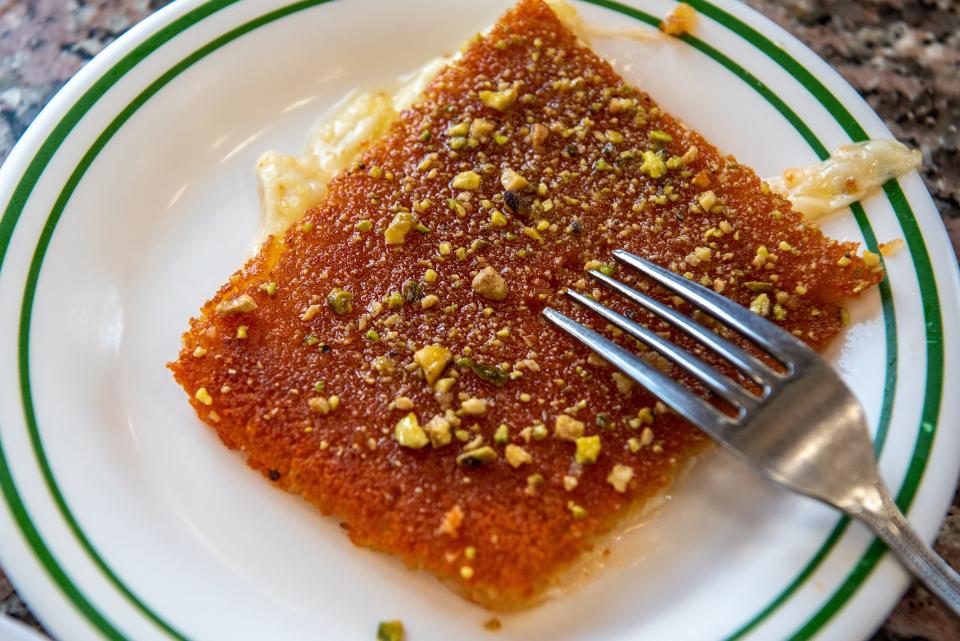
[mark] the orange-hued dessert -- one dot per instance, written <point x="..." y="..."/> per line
<point x="387" y="360"/>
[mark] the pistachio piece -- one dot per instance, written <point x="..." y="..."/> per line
<point x="396" y="232"/>
<point x="499" y="100"/>
<point x="568" y="428"/>
<point x="519" y="202"/>
<point x="760" y="305"/>
<point x="237" y="305"/>
<point x="489" y="284"/>
<point x="517" y="456"/>
<point x="408" y="432"/>
<point x="466" y="180"/>
<point x="438" y="431"/>
<point x="477" y="456"/>
<point x="619" y="477"/>
<point x="340" y="301"/>
<point x="512" y="181"/>
<point x="433" y="360"/>
<point x="390" y="631"/>
<point x="489" y="373"/>
<point x="203" y="396"/>
<point x="588" y="449"/>
<point x="474" y="407"/>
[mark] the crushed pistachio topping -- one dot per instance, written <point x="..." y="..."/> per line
<point x="466" y="572"/>
<point x="269" y="288"/>
<point x="871" y="260"/>
<point x="760" y="305"/>
<point x="466" y="180"/>
<point x="534" y="481"/>
<point x="480" y="127"/>
<point x="237" y="305"/>
<point x="512" y="181"/>
<point x="340" y="301"/>
<point x="568" y="428"/>
<point x="203" y="396"/>
<point x="408" y="432"/>
<point x="319" y="405"/>
<point x="390" y="631"/>
<point x="577" y="511"/>
<point x="660" y="136"/>
<point x="433" y="360"/>
<point x="430" y="276"/>
<point x="653" y="164"/>
<point x="438" y="429"/>
<point x="474" y="407"/>
<point x="707" y="200"/>
<point x="499" y="100"/>
<point x="493" y="375"/>
<point x="199" y="352"/>
<point x="570" y="483"/>
<point x="429" y="301"/>
<point x="310" y="312"/>
<point x="502" y="435"/>
<point x="242" y="332"/>
<point x="517" y="456"/>
<point x="623" y="382"/>
<point x="477" y="456"/>
<point x="396" y="232"/>
<point x="363" y="226"/>
<point x="497" y="219"/>
<point x="620" y="477"/>
<point x="489" y="284"/>
<point x="588" y="449"/>
<point x="444" y="385"/>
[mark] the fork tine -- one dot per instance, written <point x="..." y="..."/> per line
<point x="777" y="342"/>
<point x="705" y="373"/>
<point x="745" y="362"/>
<point x="686" y="403"/>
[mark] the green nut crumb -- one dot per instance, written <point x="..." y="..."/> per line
<point x="340" y="301"/>
<point x="660" y="136"/>
<point x="390" y="631"/>
<point x="577" y="511"/>
<point x="588" y="449"/>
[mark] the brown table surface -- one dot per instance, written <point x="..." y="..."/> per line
<point x="903" y="56"/>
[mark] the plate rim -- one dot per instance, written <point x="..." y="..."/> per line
<point x="156" y="24"/>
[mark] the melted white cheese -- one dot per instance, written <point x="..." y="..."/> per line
<point x="289" y="185"/>
<point x="851" y="173"/>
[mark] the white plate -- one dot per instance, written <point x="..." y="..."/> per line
<point x="131" y="198"/>
<point x="12" y="630"/>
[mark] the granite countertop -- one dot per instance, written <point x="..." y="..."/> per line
<point x="903" y="56"/>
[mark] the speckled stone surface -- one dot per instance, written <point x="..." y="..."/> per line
<point x="903" y="56"/>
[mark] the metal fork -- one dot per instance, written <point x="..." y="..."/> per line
<point x="804" y="429"/>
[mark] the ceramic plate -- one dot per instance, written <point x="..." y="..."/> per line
<point x="132" y="198"/>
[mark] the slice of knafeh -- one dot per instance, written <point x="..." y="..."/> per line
<point x="386" y="358"/>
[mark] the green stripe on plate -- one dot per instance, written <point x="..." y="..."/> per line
<point x="928" y="289"/>
<point x="856" y="132"/>
<point x="73" y="116"/>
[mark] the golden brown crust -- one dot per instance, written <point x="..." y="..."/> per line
<point x="574" y="127"/>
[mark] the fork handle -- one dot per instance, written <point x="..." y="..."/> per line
<point x="883" y="516"/>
